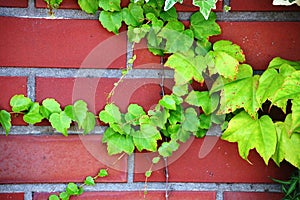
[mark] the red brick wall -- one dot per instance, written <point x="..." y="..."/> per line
<point x="59" y="58"/>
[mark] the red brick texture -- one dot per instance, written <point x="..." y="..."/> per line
<point x="11" y="196"/>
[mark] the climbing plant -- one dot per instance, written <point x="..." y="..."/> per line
<point x="237" y="101"/>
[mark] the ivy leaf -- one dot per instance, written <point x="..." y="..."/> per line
<point x="133" y="15"/>
<point x="186" y="68"/>
<point x="203" y="47"/>
<point x="176" y="132"/>
<point x="205" y="6"/>
<point x="168" y="102"/>
<point x="231" y="49"/>
<point x="49" y="106"/>
<point x="155" y="160"/>
<point x="170" y="3"/>
<point x="61" y="122"/>
<point x="169" y="15"/>
<point x="191" y="121"/>
<point x="295" y="115"/>
<point x="148" y="173"/>
<point x="110" y="5"/>
<point x="146" y="138"/>
<point x="80" y="111"/>
<point x="135" y="34"/>
<point x="259" y="134"/>
<point x="159" y="117"/>
<point x="33" y="116"/>
<point x="167" y="148"/>
<point x="203" y="28"/>
<point x="53" y="3"/>
<point x="89" y="6"/>
<point x="112" y="21"/>
<point x="89" y="122"/>
<point x="117" y="143"/>
<point x="205" y="121"/>
<point x="180" y="90"/>
<point x="20" y="103"/>
<point x="53" y="197"/>
<point x="89" y="180"/>
<point x="240" y="94"/>
<point x="202" y="99"/>
<point x="72" y="189"/>
<point x="176" y="115"/>
<point x="134" y="112"/>
<point x="64" y="196"/>
<point x="110" y="114"/>
<point x="69" y="111"/>
<point x="277" y="62"/>
<point x="288" y="144"/>
<point x="5" y="120"/>
<point x="103" y="173"/>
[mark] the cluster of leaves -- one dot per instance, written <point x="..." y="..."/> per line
<point x="50" y="110"/>
<point x="73" y="189"/>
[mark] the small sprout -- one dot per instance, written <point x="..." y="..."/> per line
<point x="148" y="173"/>
<point x="155" y="160"/>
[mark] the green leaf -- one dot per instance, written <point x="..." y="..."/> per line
<point x="177" y="132"/>
<point x="117" y="143"/>
<point x="155" y="160"/>
<point x="110" y="5"/>
<point x="61" y="122"/>
<point x="80" y="111"/>
<point x="167" y="148"/>
<point x="147" y="137"/>
<point x="89" y="122"/>
<point x="176" y="115"/>
<point x="170" y="3"/>
<point x="134" y="112"/>
<point x="203" y="47"/>
<point x="69" y="111"/>
<point x="277" y="62"/>
<point x="231" y="49"/>
<point x="33" y="116"/>
<point x="202" y="99"/>
<point x="49" y="106"/>
<point x="133" y="15"/>
<point x="186" y="68"/>
<point x="72" y="189"/>
<point x="168" y="102"/>
<point x="53" y="3"/>
<point x="53" y="197"/>
<point x="203" y="28"/>
<point x="240" y="94"/>
<point x="205" y="6"/>
<point x="191" y="121"/>
<point x="5" y="120"/>
<point x="295" y="115"/>
<point x="110" y="114"/>
<point x="159" y="117"/>
<point x="103" y="173"/>
<point x="89" y="180"/>
<point x="180" y="90"/>
<point x="89" y="6"/>
<point x="288" y="144"/>
<point x="135" y="34"/>
<point x="259" y="134"/>
<point x="112" y="21"/>
<point x="205" y="121"/>
<point x="148" y="173"/>
<point x="169" y="15"/>
<point x="64" y="196"/>
<point x="20" y="103"/>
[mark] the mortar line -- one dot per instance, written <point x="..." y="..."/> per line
<point x="31" y="86"/>
<point x="130" y="169"/>
<point x="219" y="195"/>
<point x="28" y="195"/>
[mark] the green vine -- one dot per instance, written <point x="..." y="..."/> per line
<point x="237" y="100"/>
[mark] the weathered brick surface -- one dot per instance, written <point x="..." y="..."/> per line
<point x="35" y="159"/>
<point x="14" y="3"/>
<point x="252" y="195"/>
<point x="259" y="5"/>
<point x="12" y="196"/>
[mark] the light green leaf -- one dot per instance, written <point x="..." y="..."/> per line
<point x="80" y="111"/>
<point x="110" y="114"/>
<point x="89" y="6"/>
<point x="89" y="122"/>
<point x="277" y="62"/>
<point x="135" y="34"/>
<point x="177" y="132"/>
<point x="159" y="117"/>
<point x="205" y="6"/>
<point x="5" y="120"/>
<point x="180" y="90"/>
<point x="134" y="112"/>
<point x="53" y="197"/>
<point x="203" y="47"/>
<point x="64" y="196"/>
<point x="155" y="160"/>
<point x="89" y="181"/>
<point x="133" y="15"/>
<point x="295" y="115"/>
<point x="168" y="102"/>
<point x="33" y="116"/>
<point x="61" y="122"/>
<point x="231" y="49"/>
<point x="117" y="143"/>
<point x="72" y="189"/>
<point x="103" y="173"/>
<point x="148" y="173"/>
<point x="110" y="5"/>
<point x="186" y="68"/>
<point x="167" y="148"/>
<point x="20" y="103"/>
<point x="202" y="99"/>
<point x="176" y="115"/>
<point x="288" y="144"/>
<point x="259" y="134"/>
<point x="112" y="21"/>
<point x="191" y="122"/>
<point x="49" y="106"/>
<point x="240" y="94"/>
<point x="203" y="28"/>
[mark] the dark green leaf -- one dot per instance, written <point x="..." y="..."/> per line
<point x="169" y="15"/>
<point x="205" y="121"/>
<point x="5" y="120"/>
<point x="70" y="112"/>
<point x="20" y="103"/>
<point x="112" y="21"/>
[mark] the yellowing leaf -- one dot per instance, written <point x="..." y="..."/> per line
<point x="249" y="134"/>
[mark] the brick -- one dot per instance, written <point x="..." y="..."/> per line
<point x="11" y="86"/>
<point x="94" y="91"/>
<point x="60" y="43"/>
<point x="70" y="4"/>
<point x="187" y="6"/>
<point x="219" y="162"/>
<point x="262" y="41"/>
<point x="259" y="5"/>
<point x="9" y="196"/>
<point x="137" y="195"/>
<point x="14" y="3"/>
<point x="252" y="195"/>
<point x="41" y="159"/>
